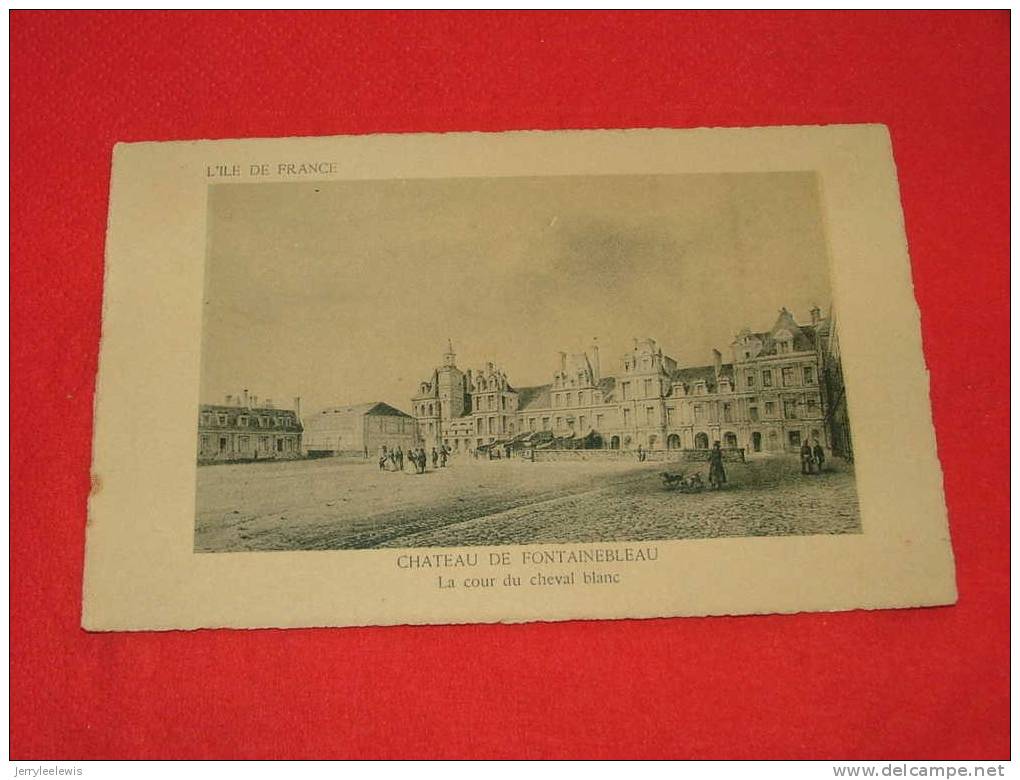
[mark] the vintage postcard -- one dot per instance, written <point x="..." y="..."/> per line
<point x="508" y="377"/>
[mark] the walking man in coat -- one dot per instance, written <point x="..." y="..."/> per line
<point x="806" y="458"/>
<point x="716" y="472"/>
<point x="819" y="453"/>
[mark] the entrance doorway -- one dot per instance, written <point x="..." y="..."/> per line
<point x="614" y="443"/>
<point x="756" y="441"/>
<point x="673" y="442"/>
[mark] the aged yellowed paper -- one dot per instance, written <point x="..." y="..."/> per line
<point x="508" y="377"/>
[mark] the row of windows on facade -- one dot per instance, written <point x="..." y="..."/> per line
<point x="700" y="413"/>
<point x="208" y="418"/>
<point x="788" y="375"/>
<point x="757" y="443"/>
<point x="478" y="403"/>
<point x="214" y="444"/>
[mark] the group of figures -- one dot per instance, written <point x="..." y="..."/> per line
<point x="416" y="458"/>
<point x="812" y="459"/>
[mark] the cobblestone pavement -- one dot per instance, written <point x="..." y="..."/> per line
<point x="337" y="504"/>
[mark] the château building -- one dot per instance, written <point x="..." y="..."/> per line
<point x="242" y="429"/>
<point x="766" y="398"/>
<point x="362" y="430"/>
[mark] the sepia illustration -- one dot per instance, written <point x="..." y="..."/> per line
<point x="514" y="361"/>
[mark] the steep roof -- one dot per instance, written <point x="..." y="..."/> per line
<point x="607" y="385"/>
<point x="537" y="397"/>
<point x="230" y="408"/>
<point x="691" y="374"/>
<point x="287" y="417"/>
<point x="803" y="335"/>
<point x="375" y="408"/>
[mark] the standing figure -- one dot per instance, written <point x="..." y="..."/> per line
<point x="400" y="459"/>
<point x="819" y="453"/>
<point x="443" y="455"/>
<point x="716" y="472"/>
<point x="806" y="458"/>
<point x="435" y="458"/>
<point x="640" y="453"/>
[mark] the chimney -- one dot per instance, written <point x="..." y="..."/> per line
<point x="254" y="401"/>
<point x="297" y="407"/>
<point x="246" y="396"/>
<point x="595" y="366"/>
<point x="269" y="403"/>
<point x="563" y="362"/>
<point x="718" y="362"/>
<point x="230" y="400"/>
<point x="816" y="315"/>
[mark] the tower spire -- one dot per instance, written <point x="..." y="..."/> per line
<point x="449" y="357"/>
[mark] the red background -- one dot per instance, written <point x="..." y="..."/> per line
<point x="925" y="683"/>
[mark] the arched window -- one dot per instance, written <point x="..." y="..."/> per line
<point x="730" y="439"/>
<point x="701" y="441"/>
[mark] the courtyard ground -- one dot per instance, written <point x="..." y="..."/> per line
<point x="341" y="504"/>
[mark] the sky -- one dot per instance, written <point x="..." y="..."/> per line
<point x="346" y="292"/>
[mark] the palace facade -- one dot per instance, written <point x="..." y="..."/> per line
<point x="767" y="398"/>
<point x="243" y="429"/>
